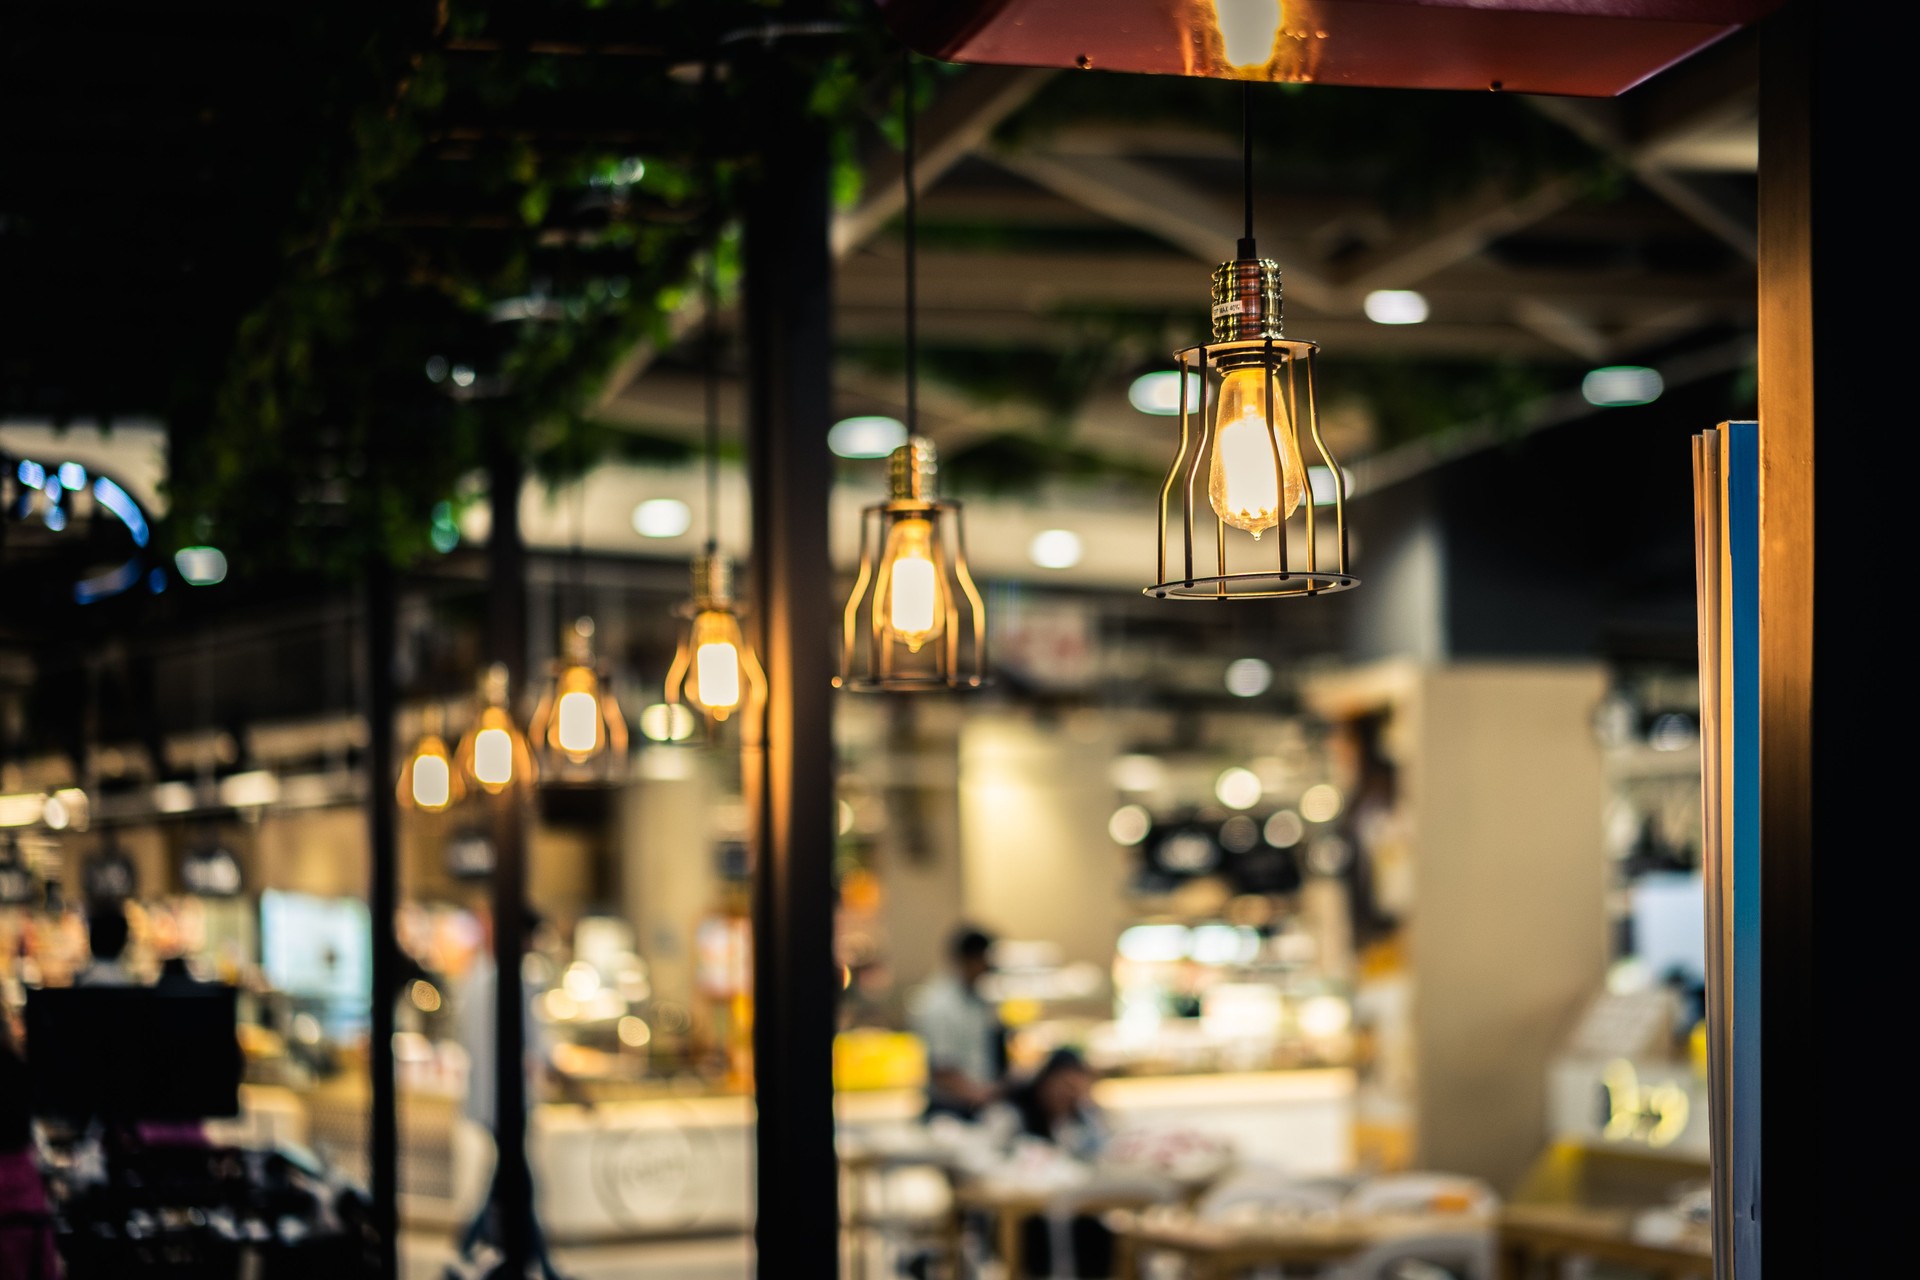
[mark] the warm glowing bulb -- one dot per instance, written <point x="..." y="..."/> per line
<point x="716" y="667"/>
<point x="1248" y="29"/>
<point x="493" y="757"/>
<point x="911" y="586"/>
<point x="432" y="781"/>
<point x="578" y="721"/>
<point x="1245" y="487"/>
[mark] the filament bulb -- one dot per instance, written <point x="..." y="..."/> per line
<point x="1245" y="486"/>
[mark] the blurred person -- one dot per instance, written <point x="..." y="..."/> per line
<point x="476" y="1034"/>
<point x="107" y="942"/>
<point x="1056" y="1106"/>
<point x="26" y="1230"/>
<point x="966" y="1043"/>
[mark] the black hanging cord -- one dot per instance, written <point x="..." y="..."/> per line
<point x="1246" y="249"/>
<point x="913" y="218"/>
<point x="711" y="286"/>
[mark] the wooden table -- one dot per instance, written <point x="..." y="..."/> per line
<point x="1216" y="1250"/>
<point x="1011" y="1205"/>
<point x="1535" y="1235"/>
<point x="862" y="1165"/>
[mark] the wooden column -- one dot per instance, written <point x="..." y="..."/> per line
<point x="1836" y="290"/>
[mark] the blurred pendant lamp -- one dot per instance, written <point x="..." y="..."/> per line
<point x="578" y="734"/>
<point x="494" y="754"/>
<point x="1239" y="466"/>
<point x="714" y="670"/>
<point x="915" y="620"/>
<point x="428" y="781"/>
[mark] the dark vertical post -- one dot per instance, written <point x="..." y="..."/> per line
<point x="1831" y="781"/>
<point x="507" y="627"/>
<point x="790" y="350"/>
<point x="382" y="904"/>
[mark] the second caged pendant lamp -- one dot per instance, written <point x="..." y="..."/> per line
<point x="914" y="621"/>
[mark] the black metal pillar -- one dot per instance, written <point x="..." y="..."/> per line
<point x="790" y="350"/>
<point x="382" y="905"/>
<point x="507" y="627"/>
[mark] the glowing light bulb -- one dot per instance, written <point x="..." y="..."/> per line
<point x="432" y="782"/>
<point x="493" y="757"/>
<point x="1246" y="489"/>
<point x="578" y="721"/>
<point x="716" y="662"/>
<point x="718" y="670"/>
<point x="910" y="596"/>
<point x="1248" y="29"/>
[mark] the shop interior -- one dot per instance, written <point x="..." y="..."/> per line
<point x="1373" y="906"/>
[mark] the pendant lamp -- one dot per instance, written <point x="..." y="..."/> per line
<point x="429" y="782"/>
<point x="714" y="670"/>
<point x="577" y="731"/>
<point x="1239" y="476"/>
<point x="915" y="620"/>
<point x="494" y="754"/>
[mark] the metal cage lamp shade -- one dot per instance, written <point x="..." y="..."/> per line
<point x="429" y="781"/>
<point x="577" y="732"/>
<point x="494" y="755"/>
<point x="915" y="620"/>
<point x="1240" y="465"/>
<point x="714" y="670"/>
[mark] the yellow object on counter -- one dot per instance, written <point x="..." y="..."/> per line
<point x="866" y="1058"/>
<point x="1697" y="1049"/>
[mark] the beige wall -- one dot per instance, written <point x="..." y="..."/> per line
<point x="1036" y="861"/>
<point x="1509" y="931"/>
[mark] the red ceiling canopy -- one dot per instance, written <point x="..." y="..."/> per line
<point x="1587" y="48"/>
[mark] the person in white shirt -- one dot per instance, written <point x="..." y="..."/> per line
<point x="965" y="1041"/>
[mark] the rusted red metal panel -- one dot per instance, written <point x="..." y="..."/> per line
<point x="1585" y="48"/>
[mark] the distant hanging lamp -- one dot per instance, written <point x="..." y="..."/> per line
<point x="577" y="732"/>
<point x="494" y="755"/>
<point x="1239" y="465"/>
<point x="429" y="782"/>
<point x="915" y="620"/>
<point x="714" y="670"/>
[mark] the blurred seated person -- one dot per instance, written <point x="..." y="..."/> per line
<point x="107" y="941"/>
<point x="966" y="1045"/>
<point x="1056" y="1107"/>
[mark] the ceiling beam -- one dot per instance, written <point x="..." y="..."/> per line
<point x="1149" y="199"/>
<point x="971" y="108"/>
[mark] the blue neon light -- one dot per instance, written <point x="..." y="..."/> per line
<point x="117" y="500"/>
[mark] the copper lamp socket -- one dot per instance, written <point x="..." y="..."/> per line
<point x="712" y="578"/>
<point x="913" y="471"/>
<point x="1246" y="300"/>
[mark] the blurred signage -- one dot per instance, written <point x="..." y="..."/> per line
<point x="470" y="857"/>
<point x="1047" y="646"/>
<point x="211" y="872"/>
<point x="110" y="877"/>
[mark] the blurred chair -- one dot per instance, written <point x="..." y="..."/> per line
<point x="1462" y="1255"/>
<point x="1101" y="1192"/>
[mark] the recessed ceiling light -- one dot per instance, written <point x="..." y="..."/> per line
<point x="662" y="518"/>
<point x="1396" y="306"/>
<point x="1159" y="393"/>
<point x="1055" y="549"/>
<point x="870" y="436"/>
<point x="1249" y="677"/>
<point x="1620" y="385"/>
